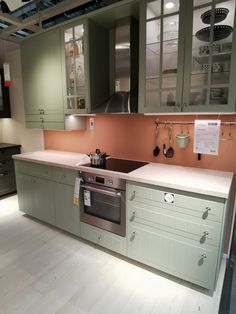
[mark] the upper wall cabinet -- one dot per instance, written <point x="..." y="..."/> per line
<point x="42" y="80"/>
<point x="85" y="66"/>
<point x="185" y="56"/>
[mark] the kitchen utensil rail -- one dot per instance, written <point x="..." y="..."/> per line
<point x="167" y="123"/>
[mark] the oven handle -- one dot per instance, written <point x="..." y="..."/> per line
<point x="93" y="189"/>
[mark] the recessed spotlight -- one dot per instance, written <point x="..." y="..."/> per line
<point x="169" y="5"/>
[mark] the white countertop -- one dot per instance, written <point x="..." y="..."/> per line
<point x="202" y="181"/>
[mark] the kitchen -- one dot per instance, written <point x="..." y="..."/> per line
<point x="120" y="136"/>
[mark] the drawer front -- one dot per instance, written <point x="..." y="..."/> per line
<point x="205" y="207"/>
<point x="44" y="118"/>
<point x="202" y="231"/>
<point x="103" y="238"/>
<point x="7" y="165"/>
<point x="33" y="169"/>
<point x="7" y="183"/>
<point x="6" y="153"/>
<point x="45" y="125"/>
<point x="64" y="176"/>
<point x="174" y="255"/>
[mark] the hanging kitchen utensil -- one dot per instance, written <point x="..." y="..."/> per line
<point x="156" y="150"/>
<point x="170" y="150"/>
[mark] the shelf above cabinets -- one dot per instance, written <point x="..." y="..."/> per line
<point x="219" y="57"/>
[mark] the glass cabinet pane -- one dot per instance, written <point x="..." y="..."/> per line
<point x="211" y="52"/>
<point x="75" y="72"/>
<point x="162" y="35"/>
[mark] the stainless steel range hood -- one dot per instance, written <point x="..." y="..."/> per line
<point x="124" y="70"/>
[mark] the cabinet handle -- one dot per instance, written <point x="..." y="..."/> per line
<point x="3" y="174"/>
<point x="133" y="196"/>
<point x="133" y="216"/>
<point x="205" y="214"/>
<point x="132" y="236"/>
<point x="99" y="238"/>
<point x="203" y="237"/>
<point x="42" y="120"/>
<point x="203" y="256"/>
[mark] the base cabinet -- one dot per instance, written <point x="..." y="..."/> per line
<point x="46" y="193"/>
<point x="177" y="232"/>
<point x="65" y="211"/>
<point x="103" y="238"/>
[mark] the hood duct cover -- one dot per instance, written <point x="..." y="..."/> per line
<point x="124" y="97"/>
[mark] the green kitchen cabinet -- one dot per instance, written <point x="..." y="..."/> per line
<point x="42" y="79"/>
<point x="185" y="56"/>
<point x="46" y="193"/>
<point x="177" y="232"/>
<point x="67" y="214"/>
<point x="24" y="192"/>
<point x="85" y="66"/>
<point x="43" y="206"/>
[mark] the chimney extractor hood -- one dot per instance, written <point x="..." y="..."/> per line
<point x="124" y="95"/>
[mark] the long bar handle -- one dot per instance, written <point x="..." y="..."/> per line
<point x="106" y="192"/>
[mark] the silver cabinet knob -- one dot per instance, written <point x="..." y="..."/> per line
<point x="204" y="256"/>
<point x="132" y="236"/>
<point x="133" y="196"/>
<point x="203" y="237"/>
<point x="205" y="213"/>
<point x="133" y="216"/>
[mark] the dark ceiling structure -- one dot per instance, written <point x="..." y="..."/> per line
<point x="36" y="15"/>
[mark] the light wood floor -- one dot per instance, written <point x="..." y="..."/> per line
<point x="43" y="270"/>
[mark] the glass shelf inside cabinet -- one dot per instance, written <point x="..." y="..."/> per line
<point x="75" y="72"/>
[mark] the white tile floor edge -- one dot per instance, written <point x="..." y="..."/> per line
<point x="43" y="270"/>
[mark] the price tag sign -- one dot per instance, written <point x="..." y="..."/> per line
<point x="78" y="181"/>
<point x="87" y="198"/>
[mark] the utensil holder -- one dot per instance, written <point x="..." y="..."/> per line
<point x="182" y="140"/>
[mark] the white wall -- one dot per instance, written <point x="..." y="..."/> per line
<point x="13" y="130"/>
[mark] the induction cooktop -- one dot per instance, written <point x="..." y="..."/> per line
<point x="120" y="165"/>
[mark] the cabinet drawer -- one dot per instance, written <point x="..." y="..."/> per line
<point x="202" y="231"/>
<point x="7" y="165"/>
<point x="33" y="169"/>
<point x="174" y="255"/>
<point x="46" y="125"/>
<point x="6" y="153"/>
<point x="44" y="118"/>
<point x="64" y="176"/>
<point x="7" y="183"/>
<point x="205" y="207"/>
<point x="103" y="238"/>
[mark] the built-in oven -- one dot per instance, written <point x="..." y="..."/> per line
<point x="102" y="202"/>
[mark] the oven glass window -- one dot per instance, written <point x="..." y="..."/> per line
<point x="102" y="206"/>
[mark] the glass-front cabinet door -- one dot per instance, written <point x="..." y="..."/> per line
<point x="162" y="89"/>
<point x="207" y="67"/>
<point x="75" y="55"/>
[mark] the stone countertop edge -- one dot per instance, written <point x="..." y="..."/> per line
<point x="220" y="189"/>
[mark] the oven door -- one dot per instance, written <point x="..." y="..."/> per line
<point x="103" y="207"/>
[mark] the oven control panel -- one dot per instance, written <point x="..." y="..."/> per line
<point x="91" y="178"/>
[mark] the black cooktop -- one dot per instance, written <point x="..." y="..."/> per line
<point x="120" y="165"/>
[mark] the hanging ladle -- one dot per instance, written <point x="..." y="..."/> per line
<point x="170" y="151"/>
<point x="156" y="150"/>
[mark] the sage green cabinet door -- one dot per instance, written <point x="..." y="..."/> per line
<point x="43" y="200"/>
<point x="31" y="68"/>
<point x="66" y="212"/>
<point x="51" y="74"/>
<point x="173" y="254"/>
<point x="209" y="56"/>
<point x="25" y="193"/>
<point x="42" y="75"/>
